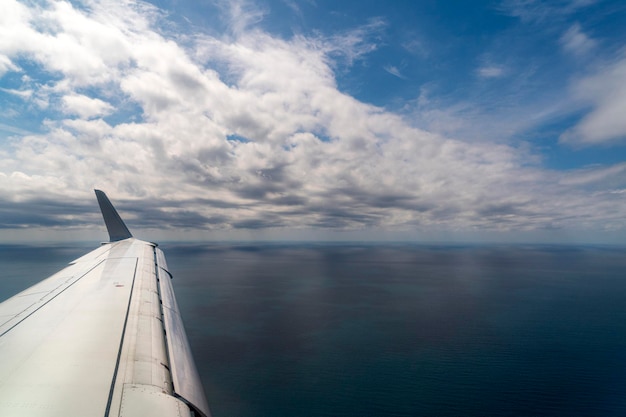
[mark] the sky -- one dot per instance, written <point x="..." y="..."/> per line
<point x="325" y="120"/>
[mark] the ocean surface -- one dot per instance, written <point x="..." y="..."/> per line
<point x="392" y="330"/>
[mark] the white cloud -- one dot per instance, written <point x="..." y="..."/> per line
<point x="605" y="92"/>
<point x="416" y="46"/>
<point x="243" y="15"/>
<point x="576" y="42"/>
<point x="13" y="129"/>
<point x="596" y="175"/>
<point x="6" y="65"/>
<point x="294" y="7"/>
<point x="539" y="11"/>
<point x="24" y="94"/>
<point x="394" y="71"/>
<point x="84" y="49"/>
<point x="490" y="71"/>
<point x="313" y="156"/>
<point x="85" y="107"/>
<point x="354" y="44"/>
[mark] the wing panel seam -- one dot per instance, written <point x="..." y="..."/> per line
<point x="119" y="352"/>
<point x="59" y="293"/>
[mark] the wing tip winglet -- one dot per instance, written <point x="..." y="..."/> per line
<point x="115" y="225"/>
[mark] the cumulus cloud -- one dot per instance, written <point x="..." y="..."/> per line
<point x="249" y="131"/>
<point x="84" y="106"/>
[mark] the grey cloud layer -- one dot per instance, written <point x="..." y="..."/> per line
<point x="307" y="155"/>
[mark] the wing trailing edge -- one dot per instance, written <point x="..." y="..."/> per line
<point x="115" y="225"/>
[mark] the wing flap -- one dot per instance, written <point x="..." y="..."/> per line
<point x="142" y="400"/>
<point x="185" y="376"/>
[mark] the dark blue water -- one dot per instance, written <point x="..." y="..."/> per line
<point x="349" y="330"/>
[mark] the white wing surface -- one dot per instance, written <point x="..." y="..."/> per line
<point x="103" y="337"/>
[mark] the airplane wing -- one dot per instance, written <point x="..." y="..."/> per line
<point x="102" y="337"/>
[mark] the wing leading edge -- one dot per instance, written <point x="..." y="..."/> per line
<point x="102" y="337"/>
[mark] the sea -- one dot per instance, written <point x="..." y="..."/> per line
<point x="353" y="329"/>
